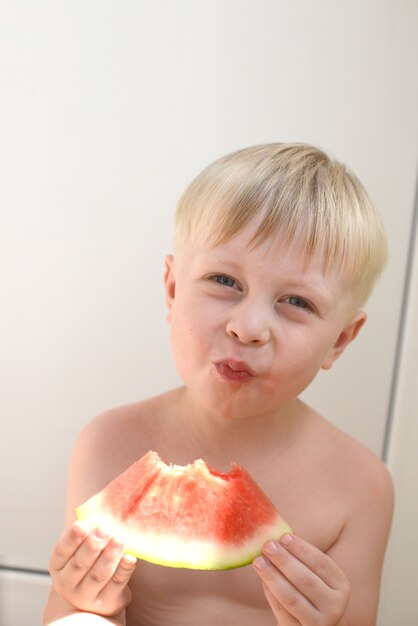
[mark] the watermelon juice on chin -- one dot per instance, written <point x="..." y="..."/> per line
<point x="186" y="516"/>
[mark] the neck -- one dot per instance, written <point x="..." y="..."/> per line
<point x="221" y="440"/>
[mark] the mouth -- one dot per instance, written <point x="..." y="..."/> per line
<point x="234" y="371"/>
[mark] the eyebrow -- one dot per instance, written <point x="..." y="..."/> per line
<point x="316" y="290"/>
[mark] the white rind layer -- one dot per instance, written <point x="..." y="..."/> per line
<point x="163" y="548"/>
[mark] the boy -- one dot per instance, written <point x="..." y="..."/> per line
<point x="277" y="248"/>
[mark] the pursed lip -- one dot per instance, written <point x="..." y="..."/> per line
<point x="236" y="366"/>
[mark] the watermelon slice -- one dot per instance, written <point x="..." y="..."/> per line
<point x="186" y="516"/>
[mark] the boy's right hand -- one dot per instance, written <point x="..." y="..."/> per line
<point x="90" y="571"/>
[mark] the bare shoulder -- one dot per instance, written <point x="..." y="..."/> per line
<point x="362" y="488"/>
<point x="368" y="493"/>
<point x="350" y="465"/>
<point x="363" y="475"/>
<point x="109" y="443"/>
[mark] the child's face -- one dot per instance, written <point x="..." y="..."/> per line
<point x="252" y="326"/>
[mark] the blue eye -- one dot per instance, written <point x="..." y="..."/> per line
<point x="300" y="303"/>
<point x="227" y="281"/>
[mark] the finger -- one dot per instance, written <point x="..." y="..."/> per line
<point x="283" y="617"/>
<point x="124" y="570"/>
<point x="85" y="556"/>
<point x="67" y="545"/>
<point x="103" y="568"/>
<point x="284" y="593"/>
<point x="301" y="577"/>
<point x="315" y="560"/>
<point x="117" y="585"/>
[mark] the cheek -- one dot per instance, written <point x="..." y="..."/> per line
<point x="182" y="332"/>
<point x="180" y="350"/>
<point x="187" y="336"/>
<point x="310" y="360"/>
<point x="299" y="363"/>
<point x="192" y="318"/>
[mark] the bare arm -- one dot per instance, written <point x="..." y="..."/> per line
<point x="306" y="587"/>
<point x="78" y="618"/>
<point x="89" y="573"/>
<point x="360" y="549"/>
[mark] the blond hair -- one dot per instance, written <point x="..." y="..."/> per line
<point x="298" y="192"/>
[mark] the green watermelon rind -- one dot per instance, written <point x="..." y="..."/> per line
<point x="172" y="551"/>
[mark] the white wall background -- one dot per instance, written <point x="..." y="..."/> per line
<point x="399" y="597"/>
<point x="107" y="110"/>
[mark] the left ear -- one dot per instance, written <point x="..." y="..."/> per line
<point x="170" y="284"/>
<point x="346" y="336"/>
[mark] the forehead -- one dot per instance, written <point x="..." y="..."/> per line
<point x="244" y="245"/>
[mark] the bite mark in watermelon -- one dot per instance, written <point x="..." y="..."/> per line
<point x="186" y="516"/>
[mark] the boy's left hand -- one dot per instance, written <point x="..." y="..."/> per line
<point x="303" y="586"/>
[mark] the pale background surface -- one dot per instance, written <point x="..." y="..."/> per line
<point x="108" y="109"/>
<point x="399" y="603"/>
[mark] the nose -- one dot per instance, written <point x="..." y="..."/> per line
<point x="249" y="324"/>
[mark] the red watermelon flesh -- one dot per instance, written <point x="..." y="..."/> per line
<point x="186" y="516"/>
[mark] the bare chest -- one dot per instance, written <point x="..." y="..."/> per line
<point x="173" y="597"/>
<point x="307" y="490"/>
